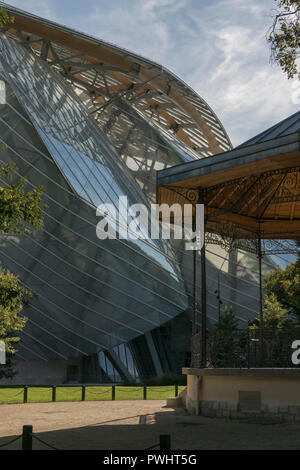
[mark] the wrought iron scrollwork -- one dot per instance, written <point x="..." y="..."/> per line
<point x="190" y="194"/>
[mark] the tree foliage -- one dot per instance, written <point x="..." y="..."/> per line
<point x="284" y="284"/>
<point x="5" y="18"/>
<point x="227" y="321"/>
<point x="21" y="211"/>
<point x="284" y="36"/>
<point x="225" y="345"/>
<point x="274" y="314"/>
<point x="13" y="298"/>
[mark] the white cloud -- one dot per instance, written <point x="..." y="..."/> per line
<point x="171" y="6"/>
<point x="245" y="91"/>
<point x="216" y="46"/>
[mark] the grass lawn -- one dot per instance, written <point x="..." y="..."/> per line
<point x="92" y="393"/>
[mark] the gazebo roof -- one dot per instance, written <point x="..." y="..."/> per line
<point x="249" y="192"/>
<point x="288" y="126"/>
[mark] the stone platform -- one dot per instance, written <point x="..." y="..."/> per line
<point x="243" y="393"/>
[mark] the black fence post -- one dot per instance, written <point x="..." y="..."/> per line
<point x="145" y="393"/>
<point x="113" y="392"/>
<point x="53" y="393"/>
<point x="165" y="442"/>
<point x="176" y="390"/>
<point x="25" y="397"/>
<point x="83" y="393"/>
<point x="27" y="438"/>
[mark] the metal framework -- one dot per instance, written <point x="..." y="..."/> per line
<point x="105" y="74"/>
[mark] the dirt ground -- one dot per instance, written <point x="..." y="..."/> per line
<point x="137" y="425"/>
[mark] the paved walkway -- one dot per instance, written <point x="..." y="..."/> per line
<point x="137" y="425"/>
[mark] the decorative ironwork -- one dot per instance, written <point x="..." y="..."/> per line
<point x="232" y="236"/>
<point x="268" y="246"/>
<point x="278" y="171"/>
<point x="290" y="192"/>
<point x="246" y="348"/>
<point x="190" y="194"/>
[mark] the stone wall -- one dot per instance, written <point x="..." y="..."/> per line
<point x="223" y="409"/>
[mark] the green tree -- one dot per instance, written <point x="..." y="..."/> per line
<point x="284" y="284"/>
<point x="5" y="18"/>
<point x="284" y="36"/>
<point x="21" y="211"/>
<point x="274" y="314"/>
<point x="13" y="298"/>
<point x="226" y="343"/>
<point x="227" y="321"/>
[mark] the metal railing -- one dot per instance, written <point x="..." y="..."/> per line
<point x="245" y="348"/>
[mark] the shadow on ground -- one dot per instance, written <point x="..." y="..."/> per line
<point x="141" y="431"/>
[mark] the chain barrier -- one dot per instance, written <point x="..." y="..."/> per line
<point x="13" y="396"/>
<point x="85" y="389"/>
<point x="160" y="391"/>
<point x="132" y="390"/>
<point x="164" y="443"/>
<point x="10" y="442"/>
<point x="98" y="393"/>
<point x="50" y="446"/>
<point x="69" y="391"/>
<point x="43" y="442"/>
<point x="156" y="446"/>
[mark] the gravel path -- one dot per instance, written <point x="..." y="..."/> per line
<point x="137" y="425"/>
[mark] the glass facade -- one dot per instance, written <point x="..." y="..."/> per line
<point x="91" y="294"/>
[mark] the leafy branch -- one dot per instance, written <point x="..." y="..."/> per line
<point x="284" y="37"/>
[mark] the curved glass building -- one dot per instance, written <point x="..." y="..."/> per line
<point x="91" y="122"/>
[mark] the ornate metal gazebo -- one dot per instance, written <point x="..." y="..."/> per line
<point x="251" y="198"/>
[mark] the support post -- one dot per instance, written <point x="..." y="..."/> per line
<point x="53" y="393"/>
<point x="194" y="320"/>
<point x="83" y="393"/>
<point x="203" y="304"/>
<point x="261" y="313"/>
<point x="145" y="393"/>
<point x="165" y="442"/>
<point x="248" y="349"/>
<point x="219" y="296"/>
<point x="25" y="398"/>
<point x="203" y="294"/>
<point x="27" y="438"/>
<point x="113" y="392"/>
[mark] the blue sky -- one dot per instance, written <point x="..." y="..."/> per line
<point x="218" y="47"/>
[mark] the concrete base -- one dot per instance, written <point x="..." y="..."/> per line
<point x="244" y="393"/>
<point x="177" y="402"/>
